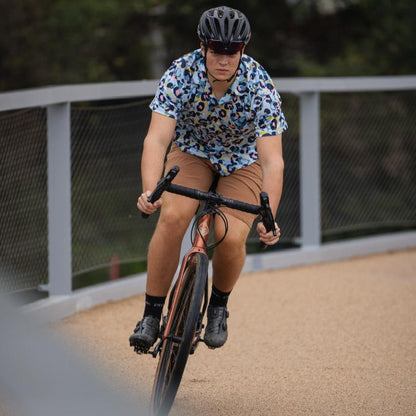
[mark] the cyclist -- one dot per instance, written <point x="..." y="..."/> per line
<point x="218" y="110"/>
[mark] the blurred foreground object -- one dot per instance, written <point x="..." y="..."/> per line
<point x="40" y="377"/>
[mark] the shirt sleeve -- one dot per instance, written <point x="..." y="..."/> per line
<point x="269" y="117"/>
<point x="167" y="100"/>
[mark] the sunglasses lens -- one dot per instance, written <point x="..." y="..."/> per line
<point x="230" y="49"/>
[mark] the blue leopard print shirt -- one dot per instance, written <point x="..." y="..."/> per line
<point x="224" y="130"/>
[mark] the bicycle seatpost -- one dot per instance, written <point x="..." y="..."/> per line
<point x="161" y="187"/>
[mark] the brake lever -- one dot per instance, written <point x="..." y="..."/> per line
<point x="161" y="187"/>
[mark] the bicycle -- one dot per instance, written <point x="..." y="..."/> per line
<point x="182" y="326"/>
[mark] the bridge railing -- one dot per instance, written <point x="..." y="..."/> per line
<point x="66" y="209"/>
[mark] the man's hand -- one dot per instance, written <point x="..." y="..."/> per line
<point x="147" y="207"/>
<point x="268" y="237"/>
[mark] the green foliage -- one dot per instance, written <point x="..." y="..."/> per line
<point x="369" y="37"/>
<point x="46" y="42"/>
<point x="57" y="42"/>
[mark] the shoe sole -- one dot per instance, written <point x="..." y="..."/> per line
<point x="214" y="346"/>
<point x="140" y="346"/>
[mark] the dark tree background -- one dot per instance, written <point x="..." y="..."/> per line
<point x="44" y="42"/>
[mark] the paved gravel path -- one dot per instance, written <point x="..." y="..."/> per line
<point x="327" y="339"/>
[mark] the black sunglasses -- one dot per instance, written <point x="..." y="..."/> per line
<point x="230" y="49"/>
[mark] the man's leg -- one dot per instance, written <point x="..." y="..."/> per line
<point x="164" y="249"/>
<point x="165" y="246"/>
<point x="163" y="257"/>
<point x="230" y="255"/>
<point x="245" y="185"/>
<point x="227" y="263"/>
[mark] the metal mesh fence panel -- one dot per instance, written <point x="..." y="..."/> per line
<point x="289" y="208"/>
<point x="368" y="169"/>
<point x="106" y="145"/>
<point x="23" y="202"/>
<point x="368" y="162"/>
<point x="288" y="215"/>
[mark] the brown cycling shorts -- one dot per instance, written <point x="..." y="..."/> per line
<point x="195" y="172"/>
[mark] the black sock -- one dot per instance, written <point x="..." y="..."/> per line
<point x="218" y="298"/>
<point x="154" y="305"/>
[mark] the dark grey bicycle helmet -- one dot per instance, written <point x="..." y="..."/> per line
<point x="224" y="24"/>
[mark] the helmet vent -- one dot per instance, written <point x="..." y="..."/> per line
<point x="218" y="28"/>
<point x="225" y="25"/>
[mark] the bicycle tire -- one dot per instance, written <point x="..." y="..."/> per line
<point x="174" y="355"/>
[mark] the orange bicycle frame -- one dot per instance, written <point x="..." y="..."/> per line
<point x="199" y="246"/>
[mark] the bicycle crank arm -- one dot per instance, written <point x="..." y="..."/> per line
<point x="157" y="349"/>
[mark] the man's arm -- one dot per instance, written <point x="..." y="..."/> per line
<point x="158" y="138"/>
<point x="270" y="154"/>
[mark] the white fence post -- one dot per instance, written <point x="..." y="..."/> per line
<point x="310" y="173"/>
<point x="59" y="199"/>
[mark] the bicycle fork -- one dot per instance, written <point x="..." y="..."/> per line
<point x="199" y="246"/>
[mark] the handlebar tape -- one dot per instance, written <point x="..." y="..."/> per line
<point x="267" y="216"/>
<point x="161" y="187"/>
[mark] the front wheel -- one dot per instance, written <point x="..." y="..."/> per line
<point x="177" y="346"/>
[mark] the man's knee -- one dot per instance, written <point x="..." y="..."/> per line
<point x="235" y="239"/>
<point x="176" y="213"/>
<point x="172" y="225"/>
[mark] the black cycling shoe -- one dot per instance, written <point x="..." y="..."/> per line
<point x="145" y="334"/>
<point x="216" y="331"/>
